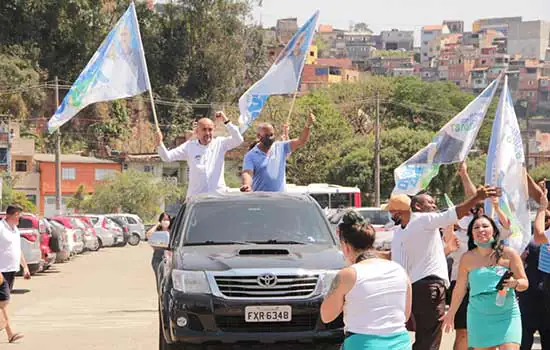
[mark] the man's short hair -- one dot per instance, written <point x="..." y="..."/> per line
<point x="417" y="199"/>
<point x="13" y="209"/>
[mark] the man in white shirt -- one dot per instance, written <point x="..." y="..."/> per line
<point x="418" y="248"/>
<point x="11" y="258"/>
<point x="204" y="155"/>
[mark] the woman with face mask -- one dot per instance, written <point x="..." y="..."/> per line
<point x="494" y="273"/>
<point x="373" y="293"/>
<point x="163" y="224"/>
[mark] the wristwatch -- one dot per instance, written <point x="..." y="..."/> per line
<point x="227" y="122"/>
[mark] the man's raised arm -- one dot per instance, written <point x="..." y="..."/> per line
<point x="177" y="154"/>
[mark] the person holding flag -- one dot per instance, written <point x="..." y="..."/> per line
<point x="264" y="166"/>
<point x="417" y="246"/>
<point x="204" y="155"/>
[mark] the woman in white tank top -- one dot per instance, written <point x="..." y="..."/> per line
<point x="374" y="294"/>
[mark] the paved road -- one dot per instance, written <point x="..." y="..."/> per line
<point x="98" y="301"/>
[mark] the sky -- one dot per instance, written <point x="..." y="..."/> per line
<point x="400" y="14"/>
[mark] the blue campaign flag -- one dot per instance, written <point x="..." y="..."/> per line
<point x="282" y="78"/>
<point x="117" y="70"/>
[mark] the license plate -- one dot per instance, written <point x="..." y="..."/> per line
<point x="280" y="313"/>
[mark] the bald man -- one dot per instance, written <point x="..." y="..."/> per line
<point x="204" y="155"/>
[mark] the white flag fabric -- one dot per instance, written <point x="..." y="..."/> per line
<point x="506" y="168"/>
<point x="450" y="145"/>
<point x="117" y="70"/>
<point x="282" y="78"/>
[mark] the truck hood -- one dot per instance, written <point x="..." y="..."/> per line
<point x="226" y="257"/>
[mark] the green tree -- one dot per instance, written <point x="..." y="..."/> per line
<point x="78" y="199"/>
<point x="131" y="192"/>
<point x="14" y="197"/>
<point x="540" y="172"/>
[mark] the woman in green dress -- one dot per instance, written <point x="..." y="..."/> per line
<point x="493" y="321"/>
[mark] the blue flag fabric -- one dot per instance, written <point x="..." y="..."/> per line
<point x="117" y="70"/>
<point x="282" y="78"/>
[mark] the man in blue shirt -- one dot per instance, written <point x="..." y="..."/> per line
<point x="264" y="166"/>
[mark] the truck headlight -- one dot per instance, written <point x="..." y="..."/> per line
<point x="191" y="282"/>
<point x="326" y="280"/>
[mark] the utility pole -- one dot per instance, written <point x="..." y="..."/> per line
<point x="377" y="153"/>
<point x="57" y="156"/>
<point x="527" y="135"/>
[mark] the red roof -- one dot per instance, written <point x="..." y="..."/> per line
<point x="336" y="62"/>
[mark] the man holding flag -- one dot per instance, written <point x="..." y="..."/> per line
<point x="204" y="155"/>
<point x="264" y="166"/>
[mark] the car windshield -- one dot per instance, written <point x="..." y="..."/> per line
<point x="257" y="221"/>
<point x="376" y="217"/>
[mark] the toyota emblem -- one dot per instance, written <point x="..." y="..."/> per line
<point x="267" y="280"/>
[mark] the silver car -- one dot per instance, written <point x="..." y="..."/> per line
<point x="136" y="227"/>
<point x="90" y="241"/>
<point x="105" y="233"/>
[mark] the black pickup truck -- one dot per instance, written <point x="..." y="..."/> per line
<point x="247" y="268"/>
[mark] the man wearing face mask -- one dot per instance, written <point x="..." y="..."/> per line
<point x="417" y="246"/>
<point x="204" y="155"/>
<point x="264" y="166"/>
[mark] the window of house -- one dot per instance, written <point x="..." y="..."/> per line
<point x="125" y="167"/>
<point x="530" y="82"/>
<point x="21" y="165"/>
<point x="3" y="156"/>
<point x="68" y="173"/>
<point x="102" y="174"/>
<point x="148" y="168"/>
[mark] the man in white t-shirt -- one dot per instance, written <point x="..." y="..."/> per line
<point x="418" y="248"/>
<point x="204" y="155"/>
<point x="11" y="258"/>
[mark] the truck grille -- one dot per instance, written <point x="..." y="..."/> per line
<point x="299" y="323"/>
<point x="285" y="286"/>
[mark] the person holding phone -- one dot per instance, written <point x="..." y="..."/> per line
<point x="164" y="224"/>
<point x="491" y="321"/>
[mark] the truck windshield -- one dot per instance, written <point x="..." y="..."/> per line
<point x="257" y="221"/>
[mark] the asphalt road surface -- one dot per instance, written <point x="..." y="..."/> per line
<point x="98" y="301"/>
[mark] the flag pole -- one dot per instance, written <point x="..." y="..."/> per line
<point x="153" y="107"/>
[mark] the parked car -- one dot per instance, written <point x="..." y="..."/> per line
<point x="46" y="241"/>
<point x="89" y="235"/>
<point x="257" y="273"/>
<point x="58" y="230"/>
<point x="135" y="226"/>
<point x="106" y="235"/>
<point x="76" y="243"/>
<point x="124" y="226"/>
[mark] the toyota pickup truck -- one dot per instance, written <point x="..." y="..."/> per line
<point x="247" y="268"/>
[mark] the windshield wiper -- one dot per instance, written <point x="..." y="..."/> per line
<point x="215" y="243"/>
<point x="277" y="241"/>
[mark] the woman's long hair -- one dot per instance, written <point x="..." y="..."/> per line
<point x="497" y="245"/>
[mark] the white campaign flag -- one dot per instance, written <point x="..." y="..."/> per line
<point x="450" y="145"/>
<point x="282" y="78"/>
<point x="505" y="168"/>
<point x="117" y="70"/>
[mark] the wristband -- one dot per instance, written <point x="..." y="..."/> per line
<point x="227" y="122"/>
